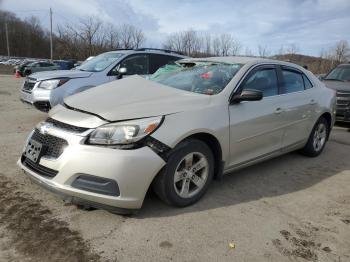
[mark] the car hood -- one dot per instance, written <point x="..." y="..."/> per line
<point x="337" y="85"/>
<point x="60" y="74"/>
<point x="135" y="97"/>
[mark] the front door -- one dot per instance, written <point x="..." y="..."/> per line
<point x="256" y="127"/>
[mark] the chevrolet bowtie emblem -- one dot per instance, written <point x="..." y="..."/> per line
<point x="45" y="127"/>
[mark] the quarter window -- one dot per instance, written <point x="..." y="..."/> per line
<point x="264" y="80"/>
<point x="307" y="82"/>
<point x="292" y="82"/>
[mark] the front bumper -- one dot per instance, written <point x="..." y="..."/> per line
<point x="133" y="170"/>
<point x="37" y="97"/>
<point x="343" y="106"/>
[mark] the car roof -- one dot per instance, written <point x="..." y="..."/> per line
<point x="150" y="51"/>
<point x="239" y="60"/>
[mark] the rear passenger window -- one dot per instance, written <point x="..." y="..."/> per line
<point x="264" y="80"/>
<point x="157" y="61"/>
<point x="292" y="82"/>
<point x="307" y="82"/>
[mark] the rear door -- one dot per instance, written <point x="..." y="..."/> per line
<point x="136" y="64"/>
<point x="298" y="105"/>
<point x="256" y="127"/>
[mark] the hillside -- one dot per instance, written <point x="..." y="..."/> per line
<point x="317" y="65"/>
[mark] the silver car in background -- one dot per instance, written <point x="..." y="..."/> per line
<point x="47" y="89"/>
<point x="177" y="131"/>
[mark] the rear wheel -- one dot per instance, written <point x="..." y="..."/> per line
<point x="317" y="139"/>
<point x="187" y="175"/>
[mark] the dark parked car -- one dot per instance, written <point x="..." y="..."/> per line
<point x="39" y="67"/>
<point x="64" y="65"/>
<point x="339" y="80"/>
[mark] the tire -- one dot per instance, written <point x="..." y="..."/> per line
<point x="193" y="179"/>
<point x="27" y="72"/>
<point x="320" y="133"/>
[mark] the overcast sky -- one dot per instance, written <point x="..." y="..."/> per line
<point x="310" y="24"/>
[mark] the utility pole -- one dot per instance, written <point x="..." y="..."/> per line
<point x="51" y="51"/>
<point x="7" y="40"/>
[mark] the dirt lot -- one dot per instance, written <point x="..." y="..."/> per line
<point x="291" y="208"/>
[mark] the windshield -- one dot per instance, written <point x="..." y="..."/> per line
<point x="100" y="62"/>
<point x="341" y="73"/>
<point x="203" y="78"/>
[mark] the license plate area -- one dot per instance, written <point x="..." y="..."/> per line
<point x="33" y="150"/>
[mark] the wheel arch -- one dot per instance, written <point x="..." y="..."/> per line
<point x="329" y="119"/>
<point x="214" y="146"/>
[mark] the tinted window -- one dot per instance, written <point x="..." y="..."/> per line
<point x="157" y="61"/>
<point x="307" y="82"/>
<point x="136" y="64"/>
<point x="43" y="64"/>
<point x="264" y="80"/>
<point x="292" y="82"/>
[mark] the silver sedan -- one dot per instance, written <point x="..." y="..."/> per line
<point x="189" y="123"/>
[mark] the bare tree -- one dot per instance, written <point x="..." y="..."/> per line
<point x="341" y="52"/>
<point x="112" y="36"/>
<point x="216" y="46"/>
<point x="263" y="51"/>
<point x="131" y="37"/>
<point x="207" y="43"/>
<point x="292" y="49"/>
<point x="248" y="52"/>
<point x="174" y="42"/>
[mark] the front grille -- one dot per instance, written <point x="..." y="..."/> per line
<point x="343" y="102"/>
<point x="29" y="84"/>
<point x="66" y="127"/>
<point x="39" y="169"/>
<point x="53" y="146"/>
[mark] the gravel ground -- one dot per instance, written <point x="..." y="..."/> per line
<point x="291" y="208"/>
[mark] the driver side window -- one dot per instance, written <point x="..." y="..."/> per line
<point x="264" y="80"/>
<point x="137" y="64"/>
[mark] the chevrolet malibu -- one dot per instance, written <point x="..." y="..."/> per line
<point x="175" y="132"/>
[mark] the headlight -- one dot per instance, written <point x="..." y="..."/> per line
<point x="53" y="83"/>
<point x="123" y="133"/>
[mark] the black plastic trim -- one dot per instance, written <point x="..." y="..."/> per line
<point x="39" y="169"/>
<point x="95" y="184"/>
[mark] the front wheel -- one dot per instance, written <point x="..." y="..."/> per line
<point x="187" y="174"/>
<point x="317" y="139"/>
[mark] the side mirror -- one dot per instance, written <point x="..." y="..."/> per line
<point x="121" y="71"/>
<point x="247" y="95"/>
<point x="321" y="77"/>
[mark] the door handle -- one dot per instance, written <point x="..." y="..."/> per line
<point x="313" y="102"/>
<point x="278" y="110"/>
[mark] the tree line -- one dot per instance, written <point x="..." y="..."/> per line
<point x="90" y="36"/>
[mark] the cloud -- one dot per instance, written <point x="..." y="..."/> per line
<point x="310" y="24"/>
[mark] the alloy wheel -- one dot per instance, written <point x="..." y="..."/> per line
<point x="191" y="175"/>
<point x="320" y="136"/>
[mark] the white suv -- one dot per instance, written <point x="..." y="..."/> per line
<point x="177" y="131"/>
